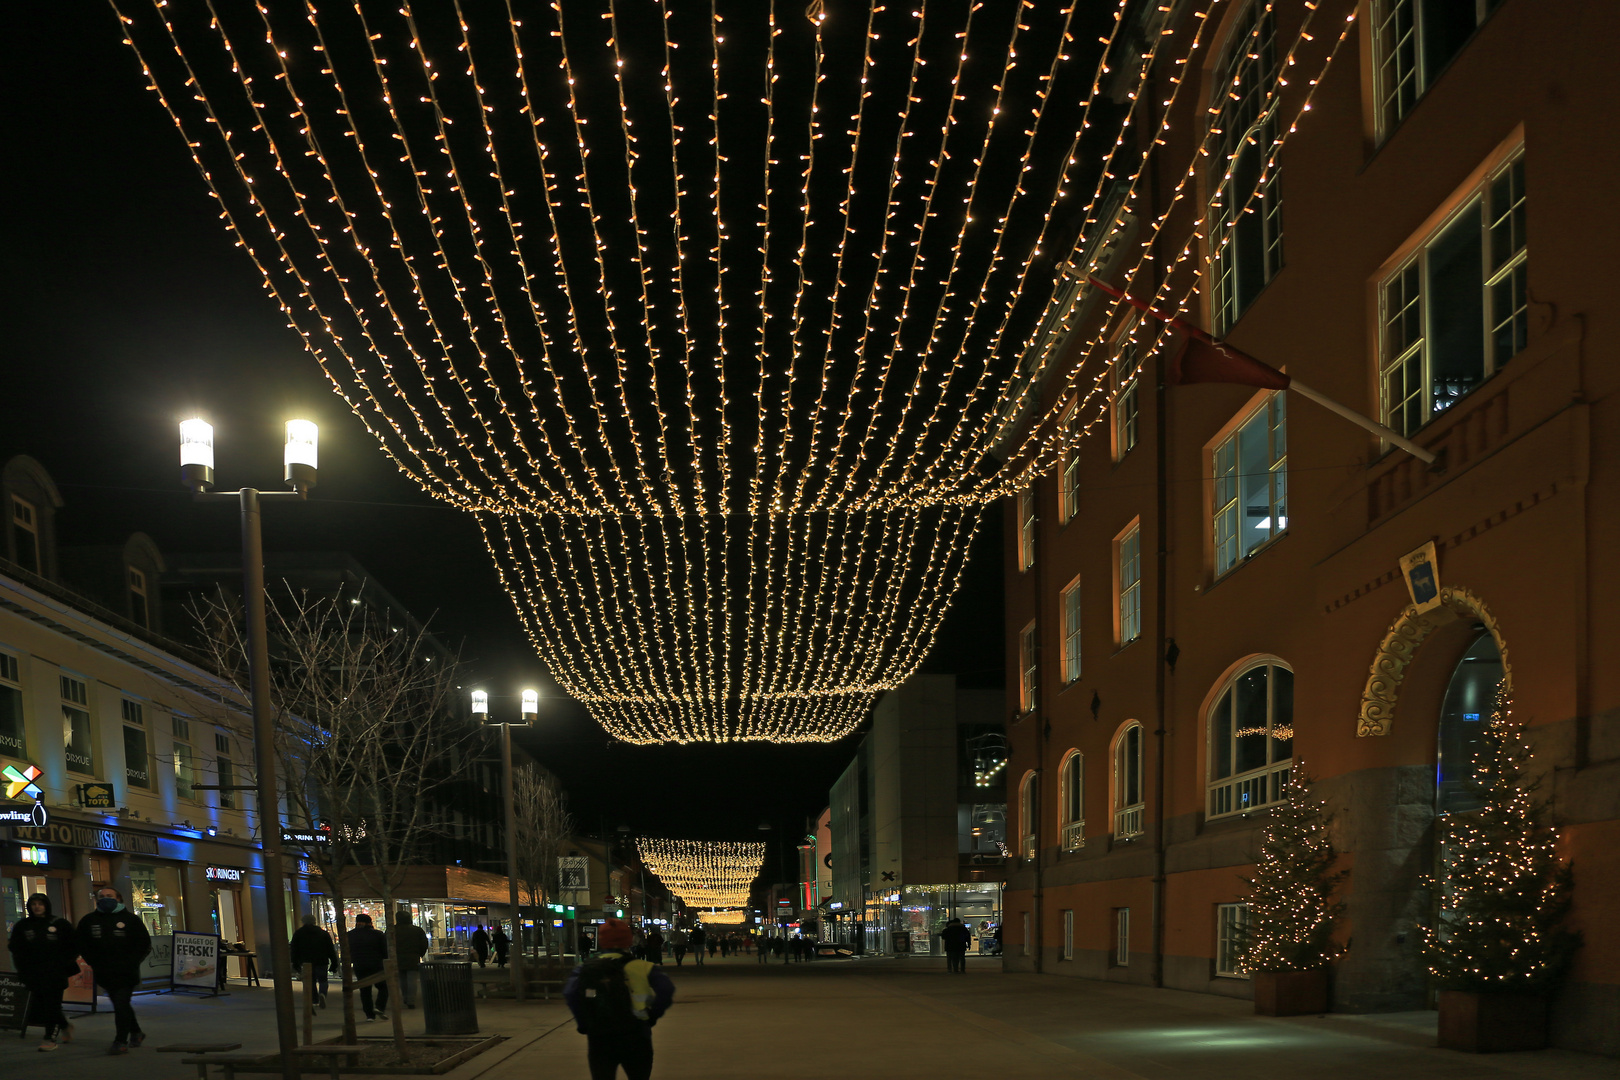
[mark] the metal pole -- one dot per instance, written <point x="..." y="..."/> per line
<point x="520" y="985"/>
<point x="264" y="751"/>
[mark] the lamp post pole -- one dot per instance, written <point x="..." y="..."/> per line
<point x="531" y="708"/>
<point x="197" y="473"/>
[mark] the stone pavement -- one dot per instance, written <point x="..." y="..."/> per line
<point x="894" y="1018"/>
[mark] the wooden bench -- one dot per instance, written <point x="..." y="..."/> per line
<point x="227" y="1063"/>
<point x="199" y="1048"/>
<point x="330" y="1051"/>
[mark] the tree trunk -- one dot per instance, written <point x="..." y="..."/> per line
<point x="345" y="964"/>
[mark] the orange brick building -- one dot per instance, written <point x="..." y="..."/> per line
<point x="1206" y="591"/>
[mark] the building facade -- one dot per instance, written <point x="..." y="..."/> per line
<point x="1206" y="592"/>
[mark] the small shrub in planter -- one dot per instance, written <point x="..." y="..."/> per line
<point x="1292" y="910"/>
<point x="1499" y="947"/>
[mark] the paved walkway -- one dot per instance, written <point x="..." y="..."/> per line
<point x="898" y="1019"/>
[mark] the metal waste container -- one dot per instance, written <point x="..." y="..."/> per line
<point x="447" y="998"/>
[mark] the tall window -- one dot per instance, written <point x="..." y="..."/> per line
<point x="1026" y="528"/>
<point x="1124" y="380"/>
<point x="1245" y="211"/>
<point x="227" y="772"/>
<point x="77" y="739"/>
<point x="1128" y="799"/>
<point x="137" y="758"/>
<point x="1470" y="697"/>
<point x="1068" y="933"/>
<point x="1128" y="575"/>
<point x="1071" y="631"/>
<point x="1457" y="311"/>
<point x="1069" y="481"/>
<point x="1029" y="808"/>
<point x="1251" y="484"/>
<point x="139" y="610"/>
<point x="25" y="534"/>
<point x="1122" y="937"/>
<point x="1251" y="739"/>
<point x="185" y="769"/>
<point x="1072" y="800"/>
<point x="1414" y="41"/>
<point x="12" y="731"/>
<point x="1231" y="940"/>
<point x="1028" y="669"/>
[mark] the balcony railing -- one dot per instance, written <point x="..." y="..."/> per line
<point x="1074" y="835"/>
<point x="1249" y="792"/>
<point x="1128" y="822"/>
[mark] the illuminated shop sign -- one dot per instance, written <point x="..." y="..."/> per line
<point x="25" y="815"/>
<point x="89" y="836"/>
<point x="36" y="856"/>
<point x="229" y="874"/>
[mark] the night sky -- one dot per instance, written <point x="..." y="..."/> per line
<point x="127" y="308"/>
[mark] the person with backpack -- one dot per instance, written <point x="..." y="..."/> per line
<point x="616" y="1000"/>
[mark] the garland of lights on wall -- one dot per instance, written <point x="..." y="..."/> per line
<point x="714" y="877"/>
<point x="724" y="320"/>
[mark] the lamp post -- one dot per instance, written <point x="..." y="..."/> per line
<point x="197" y="474"/>
<point x="531" y="709"/>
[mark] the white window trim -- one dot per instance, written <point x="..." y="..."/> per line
<point x="1069" y="466"/>
<point x="1231" y="921"/>
<point x="1275" y="407"/>
<point x="1072" y="811"/>
<point x="1029" y="671"/>
<point x="1128" y="597"/>
<point x="1128" y="818"/>
<point x="1222" y="796"/>
<point x="1073" y="657"/>
<point x="1124" y="397"/>
<point x="1029" y="809"/>
<point x="1026" y="528"/>
<point x="1382" y="19"/>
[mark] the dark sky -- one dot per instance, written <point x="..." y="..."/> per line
<point x="126" y="308"/>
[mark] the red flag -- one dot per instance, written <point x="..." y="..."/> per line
<point x="1206" y="361"/>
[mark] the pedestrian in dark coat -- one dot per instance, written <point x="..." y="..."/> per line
<point x="655" y="946"/>
<point x="956" y="939"/>
<point x="312" y="945"/>
<point x="114" y="941"/>
<point x="44" y="953"/>
<point x="480" y="945"/>
<point x="501" y="944"/>
<point x="410" y="946"/>
<point x="368" y="948"/>
<point x="700" y="942"/>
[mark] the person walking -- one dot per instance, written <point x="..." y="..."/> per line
<point x="956" y="938"/>
<point x="45" y="954"/>
<point x="480" y="945"/>
<point x="368" y="948"/>
<point x="410" y="946"/>
<point x="763" y="950"/>
<point x="312" y="945"/>
<point x="616" y="1001"/>
<point x="700" y="941"/>
<point x="501" y="944"/>
<point x="678" y="945"/>
<point x="113" y="941"/>
<point x="655" y="946"/>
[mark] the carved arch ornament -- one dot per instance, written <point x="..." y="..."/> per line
<point x="1395" y="654"/>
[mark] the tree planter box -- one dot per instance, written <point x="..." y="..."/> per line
<point x="1290" y="993"/>
<point x="1492" y="1023"/>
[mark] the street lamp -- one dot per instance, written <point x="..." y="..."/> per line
<point x="531" y="709"/>
<point x="197" y="474"/>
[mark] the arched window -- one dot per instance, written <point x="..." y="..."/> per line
<point x="1251" y="738"/>
<point x="1470" y="700"/>
<point x="1072" y="801"/>
<point x="1028" y="810"/>
<point x="1245" y="199"/>
<point x="1128" y="797"/>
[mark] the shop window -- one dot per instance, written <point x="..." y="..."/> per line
<point x="156" y="896"/>
<point x="1122" y="937"/>
<point x="1028" y="814"/>
<point x="1070" y="604"/>
<point x="1069" y="479"/>
<point x="1073" y="808"/>
<point x="1068" y="934"/>
<point x="1029" y="672"/>
<point x="1231" y="939"/>
<point x="1128" y="584"/>
<point x="137" y="759"/>
<point x="1026" y="528"/>
<point x="1469" y="702"/>
<point x="1251" y="484"/>
<point x="13" y="742"/>
<point x="1251" y="739"/>
<point x="1457" y="311"/>
<point x="77" y="739"/>
<point x="1413" y="42"/>
<point x="1128" y="800"/>
<point x="1245" y="207"/>
<point x="25" y="534"/>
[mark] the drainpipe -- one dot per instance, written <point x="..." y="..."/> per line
<point x="1043" y="736"/>
<point x="1161" y="604"/>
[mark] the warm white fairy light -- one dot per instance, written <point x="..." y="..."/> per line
<point x="504" y="279"/>
<point x="705" y="874"/>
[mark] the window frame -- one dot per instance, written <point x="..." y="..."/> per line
<point x="77" y="703"/>
<point x="1029" y="812"/>
<point x="1069" y="465"/>
<point x="1029" y="670"/>
<point x="1228" y="511"/>
<point x="1026" y="528"/>
<point x="1122" y="937"/>
<point x="1231" y="932"/>
<point x="25" y="519"/>
<point x="1128" y="817"/>
<point x="11" y="679"/>
<point x="1128" y="597"/>
<point x="1224" y="796"/>
<point x="1382" y="18"/>
<point x="133" y="714"/>
<point x="1124" y="398"/>
<point x="183" y="789"/>
<point x="1403" y="282"/>
<point x="140" y="602"/>
<point x="1068" y="934"/>
<point x="1072" y="801"/>
<point x="1070" y="614"/>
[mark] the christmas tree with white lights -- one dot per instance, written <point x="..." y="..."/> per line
<point x="1292" y="908"/>
<point x="1504" y="892"/>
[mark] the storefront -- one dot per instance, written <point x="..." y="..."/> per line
<point x="921" y="912"/>
<point x="450" y="903"/>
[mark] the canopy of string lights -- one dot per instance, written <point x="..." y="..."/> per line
<point x="724" y="319"/>
<point x="705" y="874"/>
<point x="734" y="917"/>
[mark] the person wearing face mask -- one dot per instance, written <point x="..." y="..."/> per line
<point x="114" y="941"/>
<point x="44" y="954"/>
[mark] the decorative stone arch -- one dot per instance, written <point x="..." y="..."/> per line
<point x="1395" y="654"/>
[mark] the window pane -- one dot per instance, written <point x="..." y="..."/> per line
<point x="1220" y="738"/>
<point x="227" y="779"/>
<point x="1456" y="339"/>
<point x="1510" y="315"/>
<point x="1254" y="468"/>
<point x="1282" y="714"/>
<point x="11" y="722"/>
<point x="76" y="740"/>
<point x="184" y="776"/>
<point x="137" y="768"/>
<point x="1447" y="24"/>
<point x="1250" y="720"/>
<point x="1132" y="786"/>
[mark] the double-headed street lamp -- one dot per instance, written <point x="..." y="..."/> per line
<point x="531" y="709"/>
<point x="197" y="474"/>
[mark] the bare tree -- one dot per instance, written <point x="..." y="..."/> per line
<point x="368" y="743"/>
<point x="540" y="812"/>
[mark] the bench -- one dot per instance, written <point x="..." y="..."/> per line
<point x="227" y="1063"/>
<point x="330" y="1051"/>
<point x="199" y="1048"/>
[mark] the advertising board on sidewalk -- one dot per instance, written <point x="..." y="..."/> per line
<point x="196" y="962"/>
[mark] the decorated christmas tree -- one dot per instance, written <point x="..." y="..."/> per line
<point x="1291" y="908"/>
<point x="1503" y="891"/>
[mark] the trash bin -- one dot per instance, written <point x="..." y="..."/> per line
<point x="447" y="998"/>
